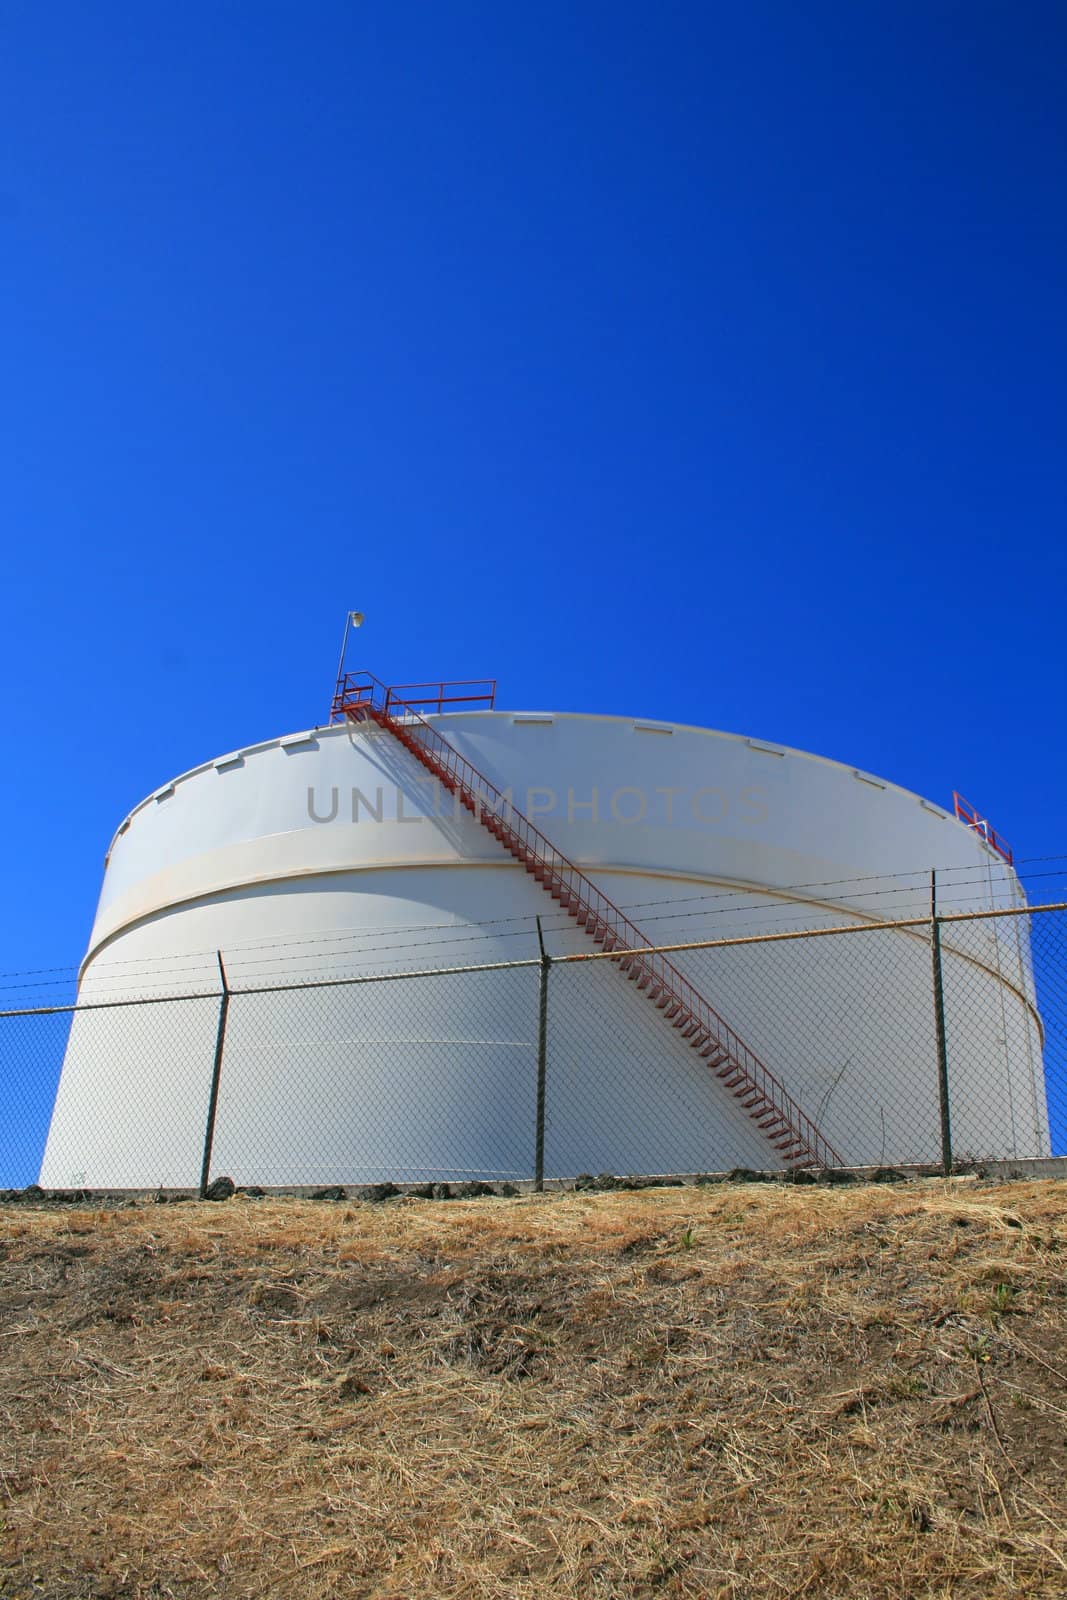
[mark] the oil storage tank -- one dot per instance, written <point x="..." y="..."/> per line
<point x="424" y="830"/>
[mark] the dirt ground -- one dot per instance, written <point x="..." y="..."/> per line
<point x="738" y="1392"/>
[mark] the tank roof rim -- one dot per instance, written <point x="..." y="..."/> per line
<point x="327" y="730"/>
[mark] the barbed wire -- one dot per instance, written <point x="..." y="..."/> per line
<point x="528" y="919"/>
<point x="383" y="972"/>
<point x="93" y="981"/>
<point x="94" y="984"/>
<point x="367" y="969"/>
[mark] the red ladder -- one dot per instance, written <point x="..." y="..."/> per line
<point x="360" y="698"/>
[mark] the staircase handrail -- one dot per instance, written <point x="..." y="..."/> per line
<point x="371" y="695"/>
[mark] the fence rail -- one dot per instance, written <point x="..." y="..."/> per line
<point x="930" y="1040"/>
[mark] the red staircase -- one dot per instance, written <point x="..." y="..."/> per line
<point x="359" y="697"/>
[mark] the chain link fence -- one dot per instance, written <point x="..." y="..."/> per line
<point x="929" y="1042"/>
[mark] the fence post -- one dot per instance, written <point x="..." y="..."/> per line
<point x="542" y="1062"/>
<point x="216" y="1073"/>
<point x="939" y="1029"/>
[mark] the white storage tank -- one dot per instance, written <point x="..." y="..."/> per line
<point x="336" y="852"/>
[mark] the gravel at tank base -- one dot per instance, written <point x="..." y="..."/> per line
<point x="221" y="1189"/>
<point x="744" y="1390"/>
<point x="376" y="1192"/>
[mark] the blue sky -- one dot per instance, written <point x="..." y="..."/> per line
<point x="703" y="362"/>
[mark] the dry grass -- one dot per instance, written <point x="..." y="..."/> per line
<point x="736" y="1392"/>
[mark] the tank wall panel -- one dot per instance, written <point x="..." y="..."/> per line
<point x="131" y="1108"/>
<point x="423" y="1079"/>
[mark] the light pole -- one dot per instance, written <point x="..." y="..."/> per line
<point x="353" y="619"/>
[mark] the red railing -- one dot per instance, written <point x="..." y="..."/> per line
<point x="361" y="697"/>
<point x="967" y="814"/>
<point x="421" y="697"/>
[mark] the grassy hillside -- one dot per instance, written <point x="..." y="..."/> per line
<point x="736" y="1392"/>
